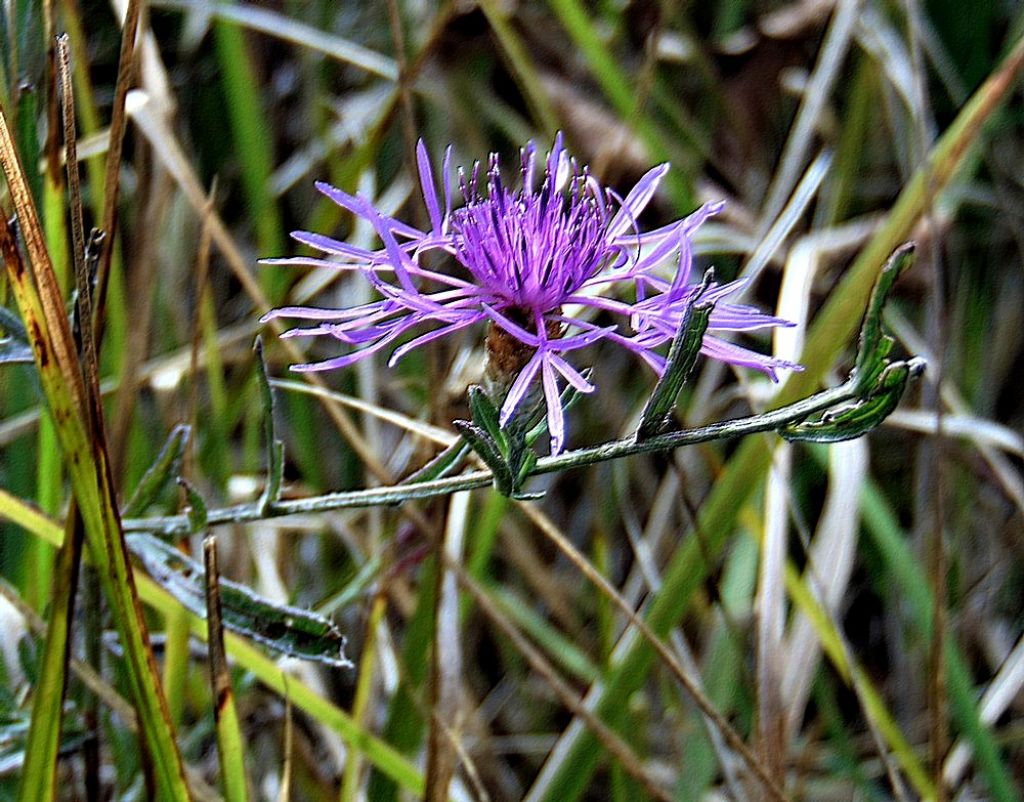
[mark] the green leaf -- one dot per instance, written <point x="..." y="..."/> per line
<point x="285" y="629"/>
<point x="875" y="345"/>
<point x="196" y="511"/>
<point x="275" y="448"/>
<point x="876" y="382"/>
<point x="15" y="352"/>
<point x="682" y="356"/>
<point x="39" y="772"/>
<point x="441" y="465"/>
<point x="158" y="476"/>
<point x="483" y="444"/>
<point x="485" y="414"/>
<point x="853" y="420"/>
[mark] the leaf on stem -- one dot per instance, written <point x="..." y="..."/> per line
<point x="682" y="356"/>
<point x="196" y="510"/>
<point x="158" y="476"/>
<point x="485" y="414"/>
<point x="285" y="629"/>
<point x="440" y="466"/>
<point x="852" y="420"/>
<point x="275" y="448"/>
<point x="490" y="452"/>
<point x="876" y="382"/>
<point x="874" y="344"/>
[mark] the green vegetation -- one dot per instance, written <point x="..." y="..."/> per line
<point x="416" y="602"/>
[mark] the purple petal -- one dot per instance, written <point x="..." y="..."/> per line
<point x="733" y="317"/>
<point x="528" y="159"/>
<point x="570" y="374"/>
<point x="519" y="387"/>
<point x="329" y="245"/>
<point x="316" y="313"/>
<point x="515" y="330"/>
<point x="399" y="259"/>
<point x="427" y="183"/>
<point x="601" y="302"/>
<point x="557" y="163"/>
<point x="340" y="197"/>
<point x="635" y="202"/>
<point x="308" y="261"/>
<point x="744" y="357"/>
<point x="556" y="421"/>
<point x="423" y="339"/>
<point x="447" y="179"/>
<point x="343" y="361"/>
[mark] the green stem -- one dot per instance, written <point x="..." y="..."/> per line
<point x="373" y="497"/>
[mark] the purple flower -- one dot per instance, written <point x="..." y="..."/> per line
<point x="523" y="256"/>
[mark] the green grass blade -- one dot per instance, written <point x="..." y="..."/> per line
<point x="874" y="704"/>
<point x="521" y="66"/>
<point x="254" y="148"/>
<point x="41" y="307"/>
<point x="30" y="518"/>
<point x="39" y="773"/>
<point x="363" y="695"/>
<point x="619" y="90"/>
<point x="230" y="749"/>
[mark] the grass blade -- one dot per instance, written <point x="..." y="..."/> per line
<point x="39" y="773"/>
<point x="230" y="749"/>
<point x="41" y="307"/>
<point x="161" y="473"/>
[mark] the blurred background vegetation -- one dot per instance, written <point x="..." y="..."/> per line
<point x="853" y="612"/>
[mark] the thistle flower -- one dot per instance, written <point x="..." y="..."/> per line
<point x="522" y="257"/>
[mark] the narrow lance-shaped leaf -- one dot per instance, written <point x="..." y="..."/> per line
<point x="440" y="466"/>
<point x="285" y="629"/>
<point x="860" y="417"/>
<point x="160" y="474"/>
<point x="39" y="771"/>
<point x="275" y="448"/>
<point x="487" y="449"/>
<point x="874" y="345"/>
<point x="485" y="414"/>
<point x="511" y="441"/>
<point x="196" y="511"/>
<point x="682" y="356"/>
<point x="528" y="461"/>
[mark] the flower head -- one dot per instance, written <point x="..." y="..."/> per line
<point x="526" y="254"/>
